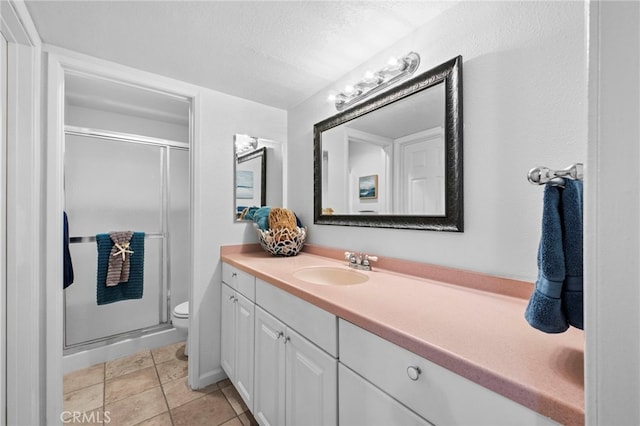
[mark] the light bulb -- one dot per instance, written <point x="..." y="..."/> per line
<point x="393" y="61"/>
<point x="368" y="76"/>
<point x="348" y="89"/>
<point x="331" y="97"/>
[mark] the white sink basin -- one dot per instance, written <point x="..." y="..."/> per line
<point x="328" y="275"/>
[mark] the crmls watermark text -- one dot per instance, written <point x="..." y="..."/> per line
<point x="90" y="417"/>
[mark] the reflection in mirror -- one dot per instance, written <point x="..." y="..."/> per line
<point x="258" y="173"/>
<point x="401" y="146"/>
<point x="395" y="160"/>
<point x="251" y="182"/>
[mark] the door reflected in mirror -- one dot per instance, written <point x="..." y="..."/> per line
<point x="401" y="145"/>
<point x="258" y="173"/>
<point x="395" y="160"/>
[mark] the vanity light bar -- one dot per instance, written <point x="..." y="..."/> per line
<point x="245" y="143"/>
<point x="394" y="71"/>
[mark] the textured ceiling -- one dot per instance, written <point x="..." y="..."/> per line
<point x="276" y="53"/>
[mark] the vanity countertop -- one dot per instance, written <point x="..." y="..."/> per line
<point x="480" y="334"/>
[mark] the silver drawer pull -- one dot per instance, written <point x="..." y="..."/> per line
<point x="280" y="334"/>
<point x="234" y="274"/>
<point x="413" y="372"/>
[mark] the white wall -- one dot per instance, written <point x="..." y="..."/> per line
<point x="524" y="105"/>
<point x="219" y="117"/>
<point x="612" y="227"/>
<point x="126" y="123"/>
<point x="367" y="159"/>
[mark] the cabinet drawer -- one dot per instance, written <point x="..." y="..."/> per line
<point x="361" y="403"/>
<point x="240" y="281"/>
<point x="315" y="324"/>
<point x="438" y="395"/>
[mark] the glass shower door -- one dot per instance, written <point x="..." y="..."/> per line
<point x="113" y="185"/>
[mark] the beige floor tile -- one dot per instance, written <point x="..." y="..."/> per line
<point x="233" y="422"/>
<point x="163" y="419"/>
<point x="224" y="383"/>
<point x="128" y="364"/>
<point x="130" y="384"/>
<point x="247" y="419"/>
<point x="85" y="399"/>
<point x="234" y="399"/>
<point x="244" y="419"/>
<point x="93" y="418"/>
<point x="167" y="353"/>
<point x="137" y="408"/>
<point x="211" y="409"/>
<point x="172" y="370"/>
<point x="83" y="378"/>
<point x="178" y="392"/>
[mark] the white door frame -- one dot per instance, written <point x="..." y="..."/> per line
<point x="23" y="394"/>
<point x="58" y="62"/>
<point x="3" y="229"/>
<point x="612" y="211"/>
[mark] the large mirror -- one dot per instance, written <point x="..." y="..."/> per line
<point x="258" y="173"/>
<point x="395" y="161"/>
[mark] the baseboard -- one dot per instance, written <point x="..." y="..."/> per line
<point x="209" y="378"/>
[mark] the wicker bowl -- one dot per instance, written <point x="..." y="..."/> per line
<point x="282" y="241"/>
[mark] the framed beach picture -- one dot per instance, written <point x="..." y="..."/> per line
<point x="244" y="184"/>
<point x="368" y="187"/>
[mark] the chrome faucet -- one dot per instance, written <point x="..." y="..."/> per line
<point x="359" y="260"/>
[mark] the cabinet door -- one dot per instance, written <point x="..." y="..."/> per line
<point x="244" y="348"/>
<point x="311" y="383"/>
<point x="361" y="403"/>
<point x="227" y="332"/>
<point x="269" y="395"/>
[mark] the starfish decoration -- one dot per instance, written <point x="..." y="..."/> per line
<point x="124" y="249"/>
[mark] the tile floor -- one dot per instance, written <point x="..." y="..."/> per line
<point x="149" y="388"/>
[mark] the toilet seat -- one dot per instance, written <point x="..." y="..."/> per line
<point x="181" y="310"/>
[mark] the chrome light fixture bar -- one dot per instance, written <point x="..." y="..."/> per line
<point x="245" y="143"/>
<point x="395" y="71"/>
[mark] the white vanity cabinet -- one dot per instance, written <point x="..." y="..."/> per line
<point x="361" y="403"/>
<point x="295" y="380"/>
<point x="434" y="393"/>
<point x="237" y="330"/>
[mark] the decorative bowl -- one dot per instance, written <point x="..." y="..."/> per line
<point x="282" y="241"/>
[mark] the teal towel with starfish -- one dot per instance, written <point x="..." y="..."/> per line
<point x="133" y="287"/>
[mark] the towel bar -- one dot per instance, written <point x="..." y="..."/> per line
<point x="541" y="175"/>
<point x="92" y="238"/>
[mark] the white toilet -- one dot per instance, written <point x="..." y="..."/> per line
<point x="180" y="320"/>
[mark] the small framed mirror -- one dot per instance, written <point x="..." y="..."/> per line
<point x="395" y="160"/>
<point x="258" y="173"/>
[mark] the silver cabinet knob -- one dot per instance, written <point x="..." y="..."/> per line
<point x="413" y="372"/>
<point x="231" y="297"/>
<point x="234" y="274"/>
<point x="287" y="339"/>
<point x="280" y="334"/>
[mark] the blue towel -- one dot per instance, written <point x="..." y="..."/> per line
<point x="250" y="212"/>
<point x="67" y="264"/>
<point x="544" y="310"/>
<point x="131" y="289"/>
<point x="261" y="217"/>
<point x="572" y="302"/>
<point x="556" y="301"/>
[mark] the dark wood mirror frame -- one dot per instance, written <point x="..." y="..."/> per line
<point x="450" y="73"/>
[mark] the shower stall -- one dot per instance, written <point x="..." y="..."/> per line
<point x="126" y="168"/>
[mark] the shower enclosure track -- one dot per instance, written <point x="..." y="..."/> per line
<point x="145" y="140"/>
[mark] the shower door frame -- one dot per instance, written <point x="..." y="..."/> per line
<point x="59" y="61"/>
<point x="166" y="146"/>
